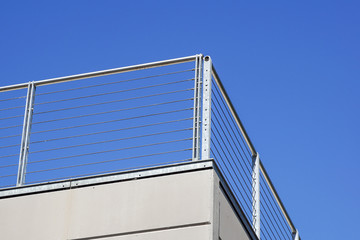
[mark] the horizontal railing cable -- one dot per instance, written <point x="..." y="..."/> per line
<point x="247" y="194"/>
<point x="116" y="82"/>
<point x="263" y="234"/>
<point x="231" y="123"/>
<point x="233" y="160"/>
<point x="6" y="186"/>
<point x="113" y="92"/>
<point x="6" y="176"/>
<point x="117" y="101"/>
<point x="266" y="211"/>
<point x="11" y="108"/>
<point x="267" y="235"/>
<point x="241" y="203"/>
<point x="106" y="151"/>
<point x="13" y="98"/>
<point x="9" y="155"/>
<point x="231" y="187"/>
<point x="265" y="224"/>
<point x="114" y="120"/>
<point x="114" y="111"/>
<point x="13" y="126"/>
<point x="112" y="130"/>
<point x="8" y="146"/>
<point x="273" y="205"/>
<point x="10" y="165"/>
<point x="231" y="108"/>
<point x="11" y="117"/>
<point x="272" y="227"/>
<point x="276" y="217"/>
<point x="228" y="133"/>
<point x="10" y="136"/>
<point x="232" y="173"/>
<point x="99" y="152"/>
<point x="111" y="140"/>
<point x="277" y="198"/>
<point x="229" y="114"/>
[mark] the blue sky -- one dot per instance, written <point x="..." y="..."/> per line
<point x="291" y="68"/>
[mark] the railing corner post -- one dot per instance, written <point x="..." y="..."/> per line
<point x="206" y="110"/>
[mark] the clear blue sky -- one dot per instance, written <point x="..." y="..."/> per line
<point x="291" y="68"/>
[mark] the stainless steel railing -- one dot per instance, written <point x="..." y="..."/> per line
<point x="99" y="122"/>
<point x="134" y="117"/>
<point x="245" y="173"/>
<point x="12" y="105"/>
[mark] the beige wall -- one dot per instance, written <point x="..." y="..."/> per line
<point x="176" y="206"/>
<point x="230" y="226"/>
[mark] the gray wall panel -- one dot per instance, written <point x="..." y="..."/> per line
<point x="230" y="226"/>
<point x="186" y="205"/>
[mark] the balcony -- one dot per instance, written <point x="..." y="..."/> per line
<point x="136" y="122"/>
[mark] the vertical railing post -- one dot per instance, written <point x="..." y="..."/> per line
<point x="206" y="110"/>
<point x="256" y="194"/>
<point x="25" y="138"/>
<point x="197" y="108"/>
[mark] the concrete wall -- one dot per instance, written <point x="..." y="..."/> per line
<point x="230" y="226"/>
<point x="189" y="205"/>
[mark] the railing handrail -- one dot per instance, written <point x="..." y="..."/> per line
<point x="252" y="149"/>
<point x="202" y="80"/>
<point x="102" y="72"/>
<point x="126" y="95"/>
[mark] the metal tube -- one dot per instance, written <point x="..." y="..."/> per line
<point x="206" y="111"/>
<point x="252" y="148"/>
<point x="102" y="73"/>
<point x="22" y="144"/>
<point x="196" y="114"/>
<point x="256" y="194"/>
<point x="25" y="139"/>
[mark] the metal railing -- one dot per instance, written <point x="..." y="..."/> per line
<point x="241" y="165"/>
<point x="99" y="122"/>
<point x="134" y="117"/>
